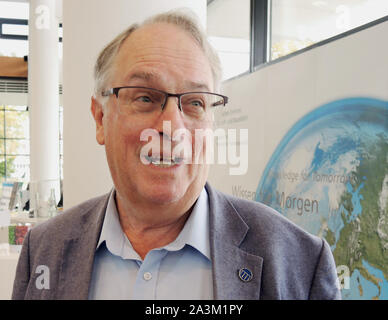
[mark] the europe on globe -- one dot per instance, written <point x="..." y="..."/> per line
<point x="329" y="175"/>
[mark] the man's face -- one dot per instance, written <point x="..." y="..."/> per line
<point x="163" y="57"/>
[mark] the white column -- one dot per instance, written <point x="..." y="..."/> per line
<point x="88" y="25"/>
<point x="43" y="82"/>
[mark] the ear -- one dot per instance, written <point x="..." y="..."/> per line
<point x="98" y="115"/>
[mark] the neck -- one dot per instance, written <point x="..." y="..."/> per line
<point x="152" y="227"/>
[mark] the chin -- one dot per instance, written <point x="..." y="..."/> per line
<point x="164" y="194"/>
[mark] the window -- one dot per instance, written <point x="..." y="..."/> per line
<point x="249" y="33"/>
<point x="14" y="143"/>
<point x="14" y="120"/>
<point x="14" y="10"/>
<point x="228" y="28"/>
<point x="298" y="24"/>
<point x="14" y="29"/>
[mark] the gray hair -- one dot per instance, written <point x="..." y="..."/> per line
<point x="184" y="20"/>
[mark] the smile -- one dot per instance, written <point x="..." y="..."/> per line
<point x="163" y="163"/>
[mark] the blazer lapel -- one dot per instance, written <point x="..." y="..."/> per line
<point x="227" y="232"/>
<point x="78" y="254"/>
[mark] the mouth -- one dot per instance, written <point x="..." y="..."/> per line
<point x="163" y="163"/>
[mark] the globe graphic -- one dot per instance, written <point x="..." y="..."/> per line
<point x="329" y="175"/>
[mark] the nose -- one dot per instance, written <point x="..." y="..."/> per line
<point x="171" y="113"/>
<point x="173" y="96"/>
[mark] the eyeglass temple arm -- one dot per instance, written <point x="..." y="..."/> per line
<point x="108" y="92"/>
<point x="223" y="102"/>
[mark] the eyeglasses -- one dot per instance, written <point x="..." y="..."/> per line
<point x="195" y="105"/>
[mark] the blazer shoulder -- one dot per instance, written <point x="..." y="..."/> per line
<point x="65" y="224"/>
<point x="51" y="243"/>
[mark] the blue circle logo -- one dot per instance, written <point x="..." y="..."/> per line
<point x="245" y="274"/>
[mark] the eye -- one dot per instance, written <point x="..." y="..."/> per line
<point x="194" y="100"/>
<point x="197" y="103"/>
<point x="144" y="99"/>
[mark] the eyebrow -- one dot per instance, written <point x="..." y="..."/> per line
<point x="150" y="76"/>
<point x="196" y="86"/>
<point x="147" y="76"/>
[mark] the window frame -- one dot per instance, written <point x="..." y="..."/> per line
<point x="23" y="22"/>
<point x="260" y="37"/>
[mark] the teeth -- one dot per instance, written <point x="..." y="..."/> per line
<point x="164" y="163"/>
<point x="178" y="160"/>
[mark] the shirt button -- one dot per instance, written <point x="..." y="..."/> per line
<point x="147" y="276"/>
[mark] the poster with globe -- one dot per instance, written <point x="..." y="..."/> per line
<point x="329" y="175"/>
<point x="318" y="150"/>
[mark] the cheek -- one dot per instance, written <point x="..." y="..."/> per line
<point x="122" y="137"/>
<point x="202" y="144"/>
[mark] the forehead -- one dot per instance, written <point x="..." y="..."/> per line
<point x="166" y="51"/>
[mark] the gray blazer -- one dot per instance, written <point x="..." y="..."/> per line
<point x="286" y="262"/>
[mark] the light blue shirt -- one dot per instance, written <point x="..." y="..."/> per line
<point x="180" y="270"/>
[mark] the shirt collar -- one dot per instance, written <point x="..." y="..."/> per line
<point x="194" y="233"/>
<point x="196" y="230"/>
<point x="115" y="239"/>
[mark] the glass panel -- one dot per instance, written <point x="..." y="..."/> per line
<point x="60" y="51"/>
<point x="17" y="146"/>
<point x="16" y="108"/>
<point x="7" y="167"/>
<point x="2" y="168"/>
<point x="13" y="48"/>
<point x="1" y="124"/>
<point x="18" y="168"/>
<point x="14" y="10"/>
<point x="61" y="166"/>
<point x="228" y="28"/>
<point x="300" y="23"/>
<point x="2" y="179"/>
<point x="15" y="29"/>
<point x="17" y="124"/>
<point x="2" y="150"/>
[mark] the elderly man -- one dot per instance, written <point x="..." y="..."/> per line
<point x="163" y="232"/>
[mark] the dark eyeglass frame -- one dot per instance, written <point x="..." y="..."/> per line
<point x="116" y="90"/>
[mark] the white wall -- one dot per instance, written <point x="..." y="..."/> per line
<point x="87" y="26"/>
<point x="7" y="275"/>
<point x="273" y="98"/>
